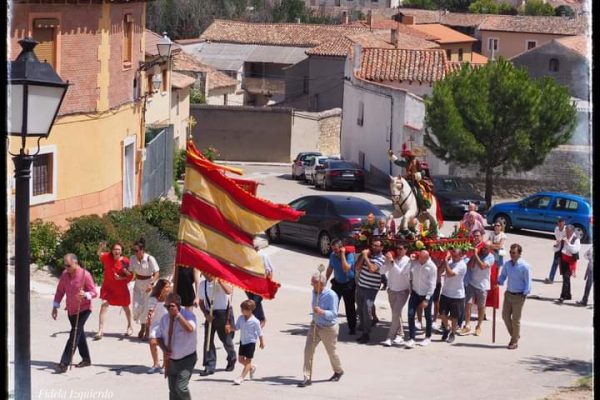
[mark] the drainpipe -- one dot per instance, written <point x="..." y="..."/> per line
<point x="391" y="127"/>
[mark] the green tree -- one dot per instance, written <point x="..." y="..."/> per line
<point x="507" y="9"/>
<point x="496" y="119"/>
<point x="423" y="4"/>
<point x="290" y="11"/>
<point x="537" y="7"/>
<point x="484" y="7"/>
<point x="564" y="11"/>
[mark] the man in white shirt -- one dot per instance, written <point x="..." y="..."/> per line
<point x="259" y="245"/>
<point x="479" y="265"/>
<point x="424" y="276"/>
<point x="397" y="267"/>
<point x="559" y="234"/>
<point x="452" y="299"/>
<point x="568" y="260"/>
<point x="216" y="293"/>
<point x="177" y="338"/>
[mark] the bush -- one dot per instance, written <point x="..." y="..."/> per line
<point x="537" y="7"/>
<point x="582" y="180"/>
<point x="44" y="238"/>
<point x="197" y="97"/>
<point x="179" y="164"/>
<point x="164" y="215"/>
<point x="82" y="239"/>
<point x="211" y="153"/>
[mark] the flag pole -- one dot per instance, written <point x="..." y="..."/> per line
<point x="494" y="325"/>
<point x="314" y="322"/>
<point x="171" y="319"/>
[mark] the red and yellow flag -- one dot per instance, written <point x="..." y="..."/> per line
<point x="219" y="218"/>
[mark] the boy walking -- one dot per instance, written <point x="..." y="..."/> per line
<point x="250" y="332"/>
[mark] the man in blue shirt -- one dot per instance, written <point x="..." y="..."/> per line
<point x="324" y="327"/>
<point x="341" y="264"/>
<point x="518" y="273"/>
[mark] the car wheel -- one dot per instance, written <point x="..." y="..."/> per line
<point x="324" y="243"/>
<point x="293" y="176"/>
<point x="274" y="234"/>
<point x="580" y="231"/>
<point x="326" y="185"/>
<point x="504" y="220"/>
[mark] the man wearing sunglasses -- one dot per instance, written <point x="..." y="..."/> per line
<point x="176" y="336"/>
<point x="518" y="273"/>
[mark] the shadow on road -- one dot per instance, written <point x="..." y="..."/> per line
<point x="299" y="331"/>
<point x="480" y="346"/>
<point x="565" y="364"/>
<point x="553" y="300"/>
<point x="282" y="380"/>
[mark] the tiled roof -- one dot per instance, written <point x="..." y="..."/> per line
<point x="298" y="35"/>
<point x="579" y="43"/>
<point x="403" y="65"/>
<point x="379" y="39"/>
<point x="152" y="39"/>
<point x="443" y="34"/>
<point x="181" y="81"/>
<point x="389" y="24"/>
<point x="216" y="78"/>
<point x="477" y="58"/>
<point x="446" y="18"/>
<point x="535" y="24"/>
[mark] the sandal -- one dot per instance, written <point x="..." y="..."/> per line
<point x="129" y="332"/>
<point x="98" y="336"/>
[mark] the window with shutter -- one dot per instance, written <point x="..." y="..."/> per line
<point x="44" y="31"/>
<point x="42" y="174"/>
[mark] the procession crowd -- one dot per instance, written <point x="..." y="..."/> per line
<point x="443" y="289"/>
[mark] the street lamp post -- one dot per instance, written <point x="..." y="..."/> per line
<point x="34" y="85"/>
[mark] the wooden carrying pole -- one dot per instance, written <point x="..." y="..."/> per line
<point x="171" y="319"/>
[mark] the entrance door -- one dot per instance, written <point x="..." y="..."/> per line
<point x="129" y="171"/>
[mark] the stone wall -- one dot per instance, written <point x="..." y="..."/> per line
<point x="330" y="125"/>
<point x="556" y="174"/>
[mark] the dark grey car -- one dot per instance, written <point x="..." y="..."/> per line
<point x="326" y="217"/>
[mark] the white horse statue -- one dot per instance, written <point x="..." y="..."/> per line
<point x="404" y="200"/>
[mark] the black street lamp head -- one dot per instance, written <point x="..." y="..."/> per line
<point x="35" y="93"/>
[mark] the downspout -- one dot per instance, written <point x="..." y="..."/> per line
<point x="391" y="128"/>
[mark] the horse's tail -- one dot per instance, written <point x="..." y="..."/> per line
<point x="438" y="212"/>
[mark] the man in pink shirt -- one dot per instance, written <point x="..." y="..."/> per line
<point x="77" y="284"/>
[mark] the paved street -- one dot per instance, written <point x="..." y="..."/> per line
<point x="556" y="345"/>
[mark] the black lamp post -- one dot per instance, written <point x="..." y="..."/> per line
<point x="36" y="86"/>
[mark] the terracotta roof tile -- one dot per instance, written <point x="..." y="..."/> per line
<point x="535" y="24"/>
<point x="152" y="39"/>
<point x="579" y="43"/>
<point x="445" y="18"/>
<point x="389" y="24"/>
<point x="477" y="58"/>
<point x="181" y="81"/>
<point x="443" y="34"/>
<point x="403" y="65"/>
<point x="295" y="35"/>
<point x="216" y="78"/>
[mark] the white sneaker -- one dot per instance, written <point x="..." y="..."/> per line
<point x="435" y="325"/>
<point x="252" y="371"/>
<point x="237" y="381"/>
<point x="387" y="343"/>
<point x="410" y="344"/>
<point x="418" y="325"/>
<point x="425" y="342"/>
<point x="399" y="340"/>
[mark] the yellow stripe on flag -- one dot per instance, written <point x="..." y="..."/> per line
<point x="213" y="243"/>
<point x="244" y="219"/>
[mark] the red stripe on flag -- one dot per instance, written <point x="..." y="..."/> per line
<point x="259" y="206"/>
<point x="189" y="256"/>
<point x="209" y="216"/>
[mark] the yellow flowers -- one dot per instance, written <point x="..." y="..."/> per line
<point x="419" y="245"/>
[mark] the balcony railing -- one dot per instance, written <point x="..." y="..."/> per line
<point x="257" y="85"/>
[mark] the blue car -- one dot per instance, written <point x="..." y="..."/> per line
<point x="541" y="211"/>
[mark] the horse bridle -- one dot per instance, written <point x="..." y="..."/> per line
<point x="396" y="199"/>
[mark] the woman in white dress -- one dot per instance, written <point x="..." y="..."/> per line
<point x="498" y="237"/>
<point x="146" y="272"/>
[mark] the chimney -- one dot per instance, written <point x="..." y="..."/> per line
<point x="370" y="19"/>
<point x="394" y="38"/>
<point x="356" y="52"/>
<point x="408" y="19"/>
<point x="345" y="19"/>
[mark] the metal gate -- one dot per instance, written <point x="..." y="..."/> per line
<point x="157" y="177"/>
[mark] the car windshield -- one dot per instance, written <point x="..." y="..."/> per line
<point x="356" y="208"/>
<point x="340" y="164"/>
<point x="447" y="184"/>
<point x="308" y="156"/>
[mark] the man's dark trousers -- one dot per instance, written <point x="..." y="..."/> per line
<point x="84" y="352"/>
<point x="218" y="326"/>
<point x="347" y="291"/>
<point x="179" y="373"/>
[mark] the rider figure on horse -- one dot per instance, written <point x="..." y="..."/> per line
<point x="417" y="174"/>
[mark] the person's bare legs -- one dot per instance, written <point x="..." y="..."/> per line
<point x="467" y="314"/>
<point x="103" y="310"/>
<point x="129" y="331"/>
<point x="154" y="352"/>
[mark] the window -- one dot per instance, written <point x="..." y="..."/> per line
<point x="531" y="44"/>
<point x="562" y="204"/>
<point x="449" y="54"/>
<point x="361" y="114"/>
<point x="127" y="40"/>
<point x="553" y="65"/>
<point x="537" y="202"/>
<point x="150" y="84"/>
<point x="44" y="31"/>
<point x="460" y="54"/>
<point x="43" y="176"/>
<point x="177" y="104"/>
<point x="493" y="44"/>
<point x="164" y="80"/>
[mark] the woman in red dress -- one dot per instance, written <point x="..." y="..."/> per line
<point x="114" y="291"/>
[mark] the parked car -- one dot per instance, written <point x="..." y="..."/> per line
<point x="313" y="162"/>
<point x="339" y="173"/>
<point x="300" y="162"/>
<point x="541" y="211"/>
<point x="454" y="197"/>
<point x="326" y="217"/>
